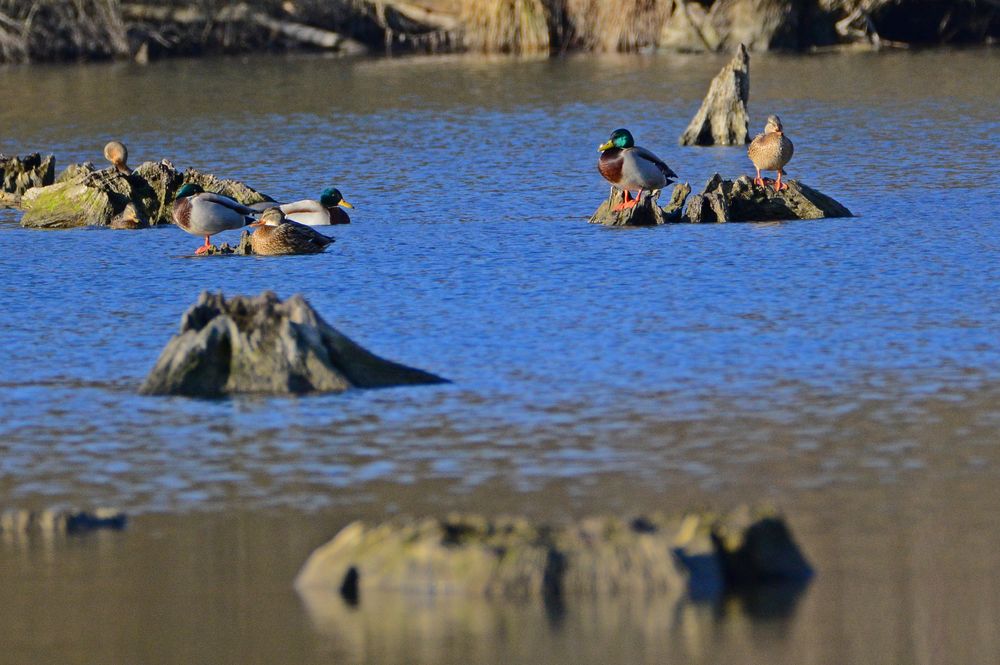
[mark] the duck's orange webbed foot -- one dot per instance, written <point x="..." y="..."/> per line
<point x="759" y="181"/>
<point x="778" y="185"/>
<point x="627" y="203"/>
<point x="201" y="250"/>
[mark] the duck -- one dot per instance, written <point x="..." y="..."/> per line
<point x="116" y="153"/>
<point x="204" y="213"/>
<point x="311" y="212"/>
<point x="627" y="166"/>
<point x="276" y="235"/>
<point x="770" y="151"/>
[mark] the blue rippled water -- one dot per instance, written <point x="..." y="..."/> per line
<point x="470" y="256"/>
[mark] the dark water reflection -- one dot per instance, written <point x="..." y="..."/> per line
<point x="848" y="370"/>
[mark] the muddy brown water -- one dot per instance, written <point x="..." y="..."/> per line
<point x="845" y="370"/>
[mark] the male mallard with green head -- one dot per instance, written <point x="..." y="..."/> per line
<point x="327" y="210"/>
<point x="627" y="166"/>
<point x="770" y="151"/>
<point x="116" y="153"/>
<point x="276" y="234"/>
<point x="204" y="213"/>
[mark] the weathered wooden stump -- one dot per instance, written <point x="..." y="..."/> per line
<point x="263" y="345"/>
<point x="723" y="118"/>
<point x="84" y="196"/>
<point x="645" y="213"/>
<point x="19" y="174"/>
<point x="741" y="200"/>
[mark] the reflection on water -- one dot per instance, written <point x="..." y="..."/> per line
<point x="847" y="369"/>
<point x="902" y="580"/>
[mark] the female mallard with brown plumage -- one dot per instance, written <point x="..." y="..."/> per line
<point x="770" y="151"/>
<point x="276" y="235"/>
<point x="116" y="153"/>
<point x="627" y="166"/>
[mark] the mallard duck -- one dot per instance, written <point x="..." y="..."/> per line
<point x="204" y="213"/>
<point x="319" y="213"/>
<point x="276" y="234"/>
<point x="128" y="218"/>
<point x="770" y="151"/>
<point x="627" y="166"/>
<point x="116" y="153"/>
<point x="325" y="211"/>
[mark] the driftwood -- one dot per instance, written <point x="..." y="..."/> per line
<point x="243" y="12"/>
<point x="723" y="118"/>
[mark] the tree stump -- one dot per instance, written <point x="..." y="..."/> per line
<point x="723" y="118"/>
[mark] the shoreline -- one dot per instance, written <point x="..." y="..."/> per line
<point x="47" y="31"/>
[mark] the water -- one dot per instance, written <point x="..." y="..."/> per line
<point x="848" y="370"/>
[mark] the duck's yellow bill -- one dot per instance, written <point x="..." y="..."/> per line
<point x="345" y="204"/>
<point x="605" y="146"/>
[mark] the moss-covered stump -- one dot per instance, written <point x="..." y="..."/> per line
<point x="514" y="558"/>
<point x="19" y="174"/>
<point x="645" y="213"/>
<point x="83" y="196"/>
<point x="266" y="346"/>
<point x="741" y="200"/>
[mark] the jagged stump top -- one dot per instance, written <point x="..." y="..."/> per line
<point x="723" y="118"/>
<point x="263" y="345"/>
<point x="738" y="200"/>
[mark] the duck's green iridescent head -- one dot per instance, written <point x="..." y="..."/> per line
<point x="331" y="198"/>
<point x="189" y="189"/>
<point x="620" y="138"/>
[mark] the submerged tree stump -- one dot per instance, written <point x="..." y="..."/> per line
<point x="21" y="523"/>
<point x="723" y="118"/>
<point x="738" y="200"/>
<point x="741" y="200"/>
<point x="84" y="196"/>
<point x="263" y="345"/>
<point x="596" y="557"/>
<point x="645" y="213"/>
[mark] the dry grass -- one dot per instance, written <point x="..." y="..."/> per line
<point x="616" y="25"/>
<point x="506" y="26"/>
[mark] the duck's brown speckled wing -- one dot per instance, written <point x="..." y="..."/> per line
<point x="300" y="238"/>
